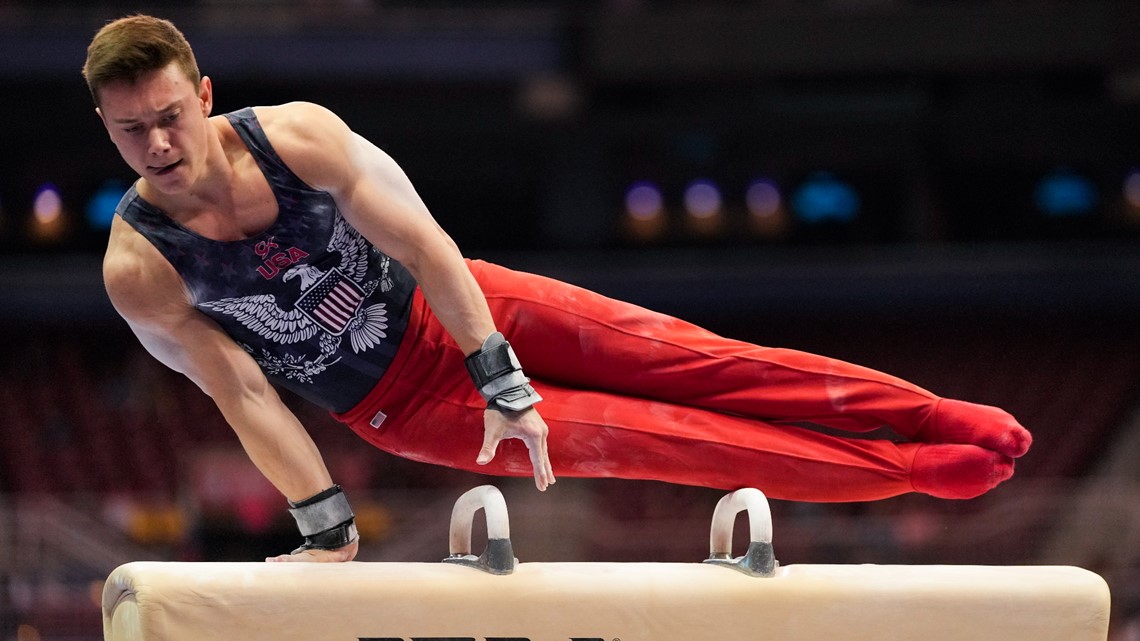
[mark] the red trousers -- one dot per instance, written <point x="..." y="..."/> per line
<point x="630" y="393"/>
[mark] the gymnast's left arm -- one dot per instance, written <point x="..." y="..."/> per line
<point x="379" y="201"/>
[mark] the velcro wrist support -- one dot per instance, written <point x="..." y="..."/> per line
<point x="325" y="520"/>
<point x="498" y="376"/>
<point x="331" y="539"/>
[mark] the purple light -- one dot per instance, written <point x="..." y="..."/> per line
<point x="702" y="199"/>
<point x="763" y="198"/>
<point x="47" y="206"/>
<point x="643" y="201"/>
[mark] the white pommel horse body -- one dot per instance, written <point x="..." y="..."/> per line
<point x="494" y="598"/>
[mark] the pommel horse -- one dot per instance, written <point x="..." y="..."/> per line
<point x="493" y="597"/>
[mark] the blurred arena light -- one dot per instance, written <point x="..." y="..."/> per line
<point x="101" y="205"/>
<point x="1064" y="193"/>
<point x="767" y="216"/>
<point x="704" y="208"/>
<point x="1132" y="189"/>
<point x="645" y="218"/>
<point x="1130" y="197"/>
<point x="48" y="221"/>
<point x="823" y="198"/>
<point x="47" y="206"/>
<point x="703" y="199"/>
<point x="549" y="98"/>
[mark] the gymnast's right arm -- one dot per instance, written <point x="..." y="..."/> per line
<point x="150" y="296"/>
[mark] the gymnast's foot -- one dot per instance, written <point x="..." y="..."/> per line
<point x="965" y="423"/>
<point x="958" y="471"/>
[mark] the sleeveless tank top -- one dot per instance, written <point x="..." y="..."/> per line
<point x="319" y="308"/>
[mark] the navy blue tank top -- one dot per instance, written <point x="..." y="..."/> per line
<point x="318" y="307"/>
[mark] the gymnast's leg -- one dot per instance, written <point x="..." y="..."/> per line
<point x="571" y="336"/>
<point x="598" y="435"/>
<point x="426" y="409"/>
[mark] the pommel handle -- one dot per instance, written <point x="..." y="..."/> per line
<point x="499" y="556"/>
<point x="759" y="559"/>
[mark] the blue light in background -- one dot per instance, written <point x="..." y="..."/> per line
<point x="1065" y="193"/>
<point x="101" y="206"/>
<point x="823" y="198"/>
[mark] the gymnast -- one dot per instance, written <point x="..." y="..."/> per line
<point x="272" y="246"/>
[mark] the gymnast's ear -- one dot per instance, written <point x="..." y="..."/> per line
<point x="206" y="95"/>
<point x="102" y="119"/>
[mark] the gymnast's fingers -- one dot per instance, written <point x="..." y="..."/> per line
<point x="533" y="432"/>
<point x="549" y="467"/>
<point x="339" y="555"/>
<point x="492" y="433"/>
<point x="543" y="471"/>
<point x="539" y="463"/>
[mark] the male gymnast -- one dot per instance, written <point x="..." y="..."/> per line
<point x="274" y="246"/>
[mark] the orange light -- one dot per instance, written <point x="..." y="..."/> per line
<point x="27" y="633"/>
<point x="48" y="222"/>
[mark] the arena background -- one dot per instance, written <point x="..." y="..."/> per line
<point x="945" y="190"/>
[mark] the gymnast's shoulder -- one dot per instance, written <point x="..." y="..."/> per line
<point x="138" y="280"/>
<point x="312" y="141"/>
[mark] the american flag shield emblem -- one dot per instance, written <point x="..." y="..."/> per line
<point x="332" y="301"/>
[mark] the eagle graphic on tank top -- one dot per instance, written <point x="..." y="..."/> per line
<point x="331" y="302"/>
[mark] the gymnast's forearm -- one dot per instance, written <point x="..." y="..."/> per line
<point x="280" y="447"/>
<point x="276" y="442"/>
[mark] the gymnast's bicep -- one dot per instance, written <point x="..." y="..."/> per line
<point x="150" y="296"/>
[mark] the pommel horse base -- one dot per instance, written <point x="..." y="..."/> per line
<point x="493" y="597"/>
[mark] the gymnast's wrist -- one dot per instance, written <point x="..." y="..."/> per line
<point x="497" y="374"/>
<point x="325" y="520"/>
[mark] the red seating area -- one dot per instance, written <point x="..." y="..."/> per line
<point x="90" y="413"/>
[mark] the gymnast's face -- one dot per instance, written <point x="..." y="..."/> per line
<point x="160" y="124"/>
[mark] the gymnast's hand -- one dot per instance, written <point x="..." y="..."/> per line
<point x="339" y="555"/>
<point x="527" y="426"/>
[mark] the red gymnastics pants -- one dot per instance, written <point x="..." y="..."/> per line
<point x="630" y="393"/>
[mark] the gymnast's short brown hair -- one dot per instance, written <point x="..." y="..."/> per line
<point x="125" y="49"/>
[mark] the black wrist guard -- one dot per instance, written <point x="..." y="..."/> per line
<point x="325" y="520"/>
<point x="498" y="376"/>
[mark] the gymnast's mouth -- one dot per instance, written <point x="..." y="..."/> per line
<point x="165" y="169"/>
